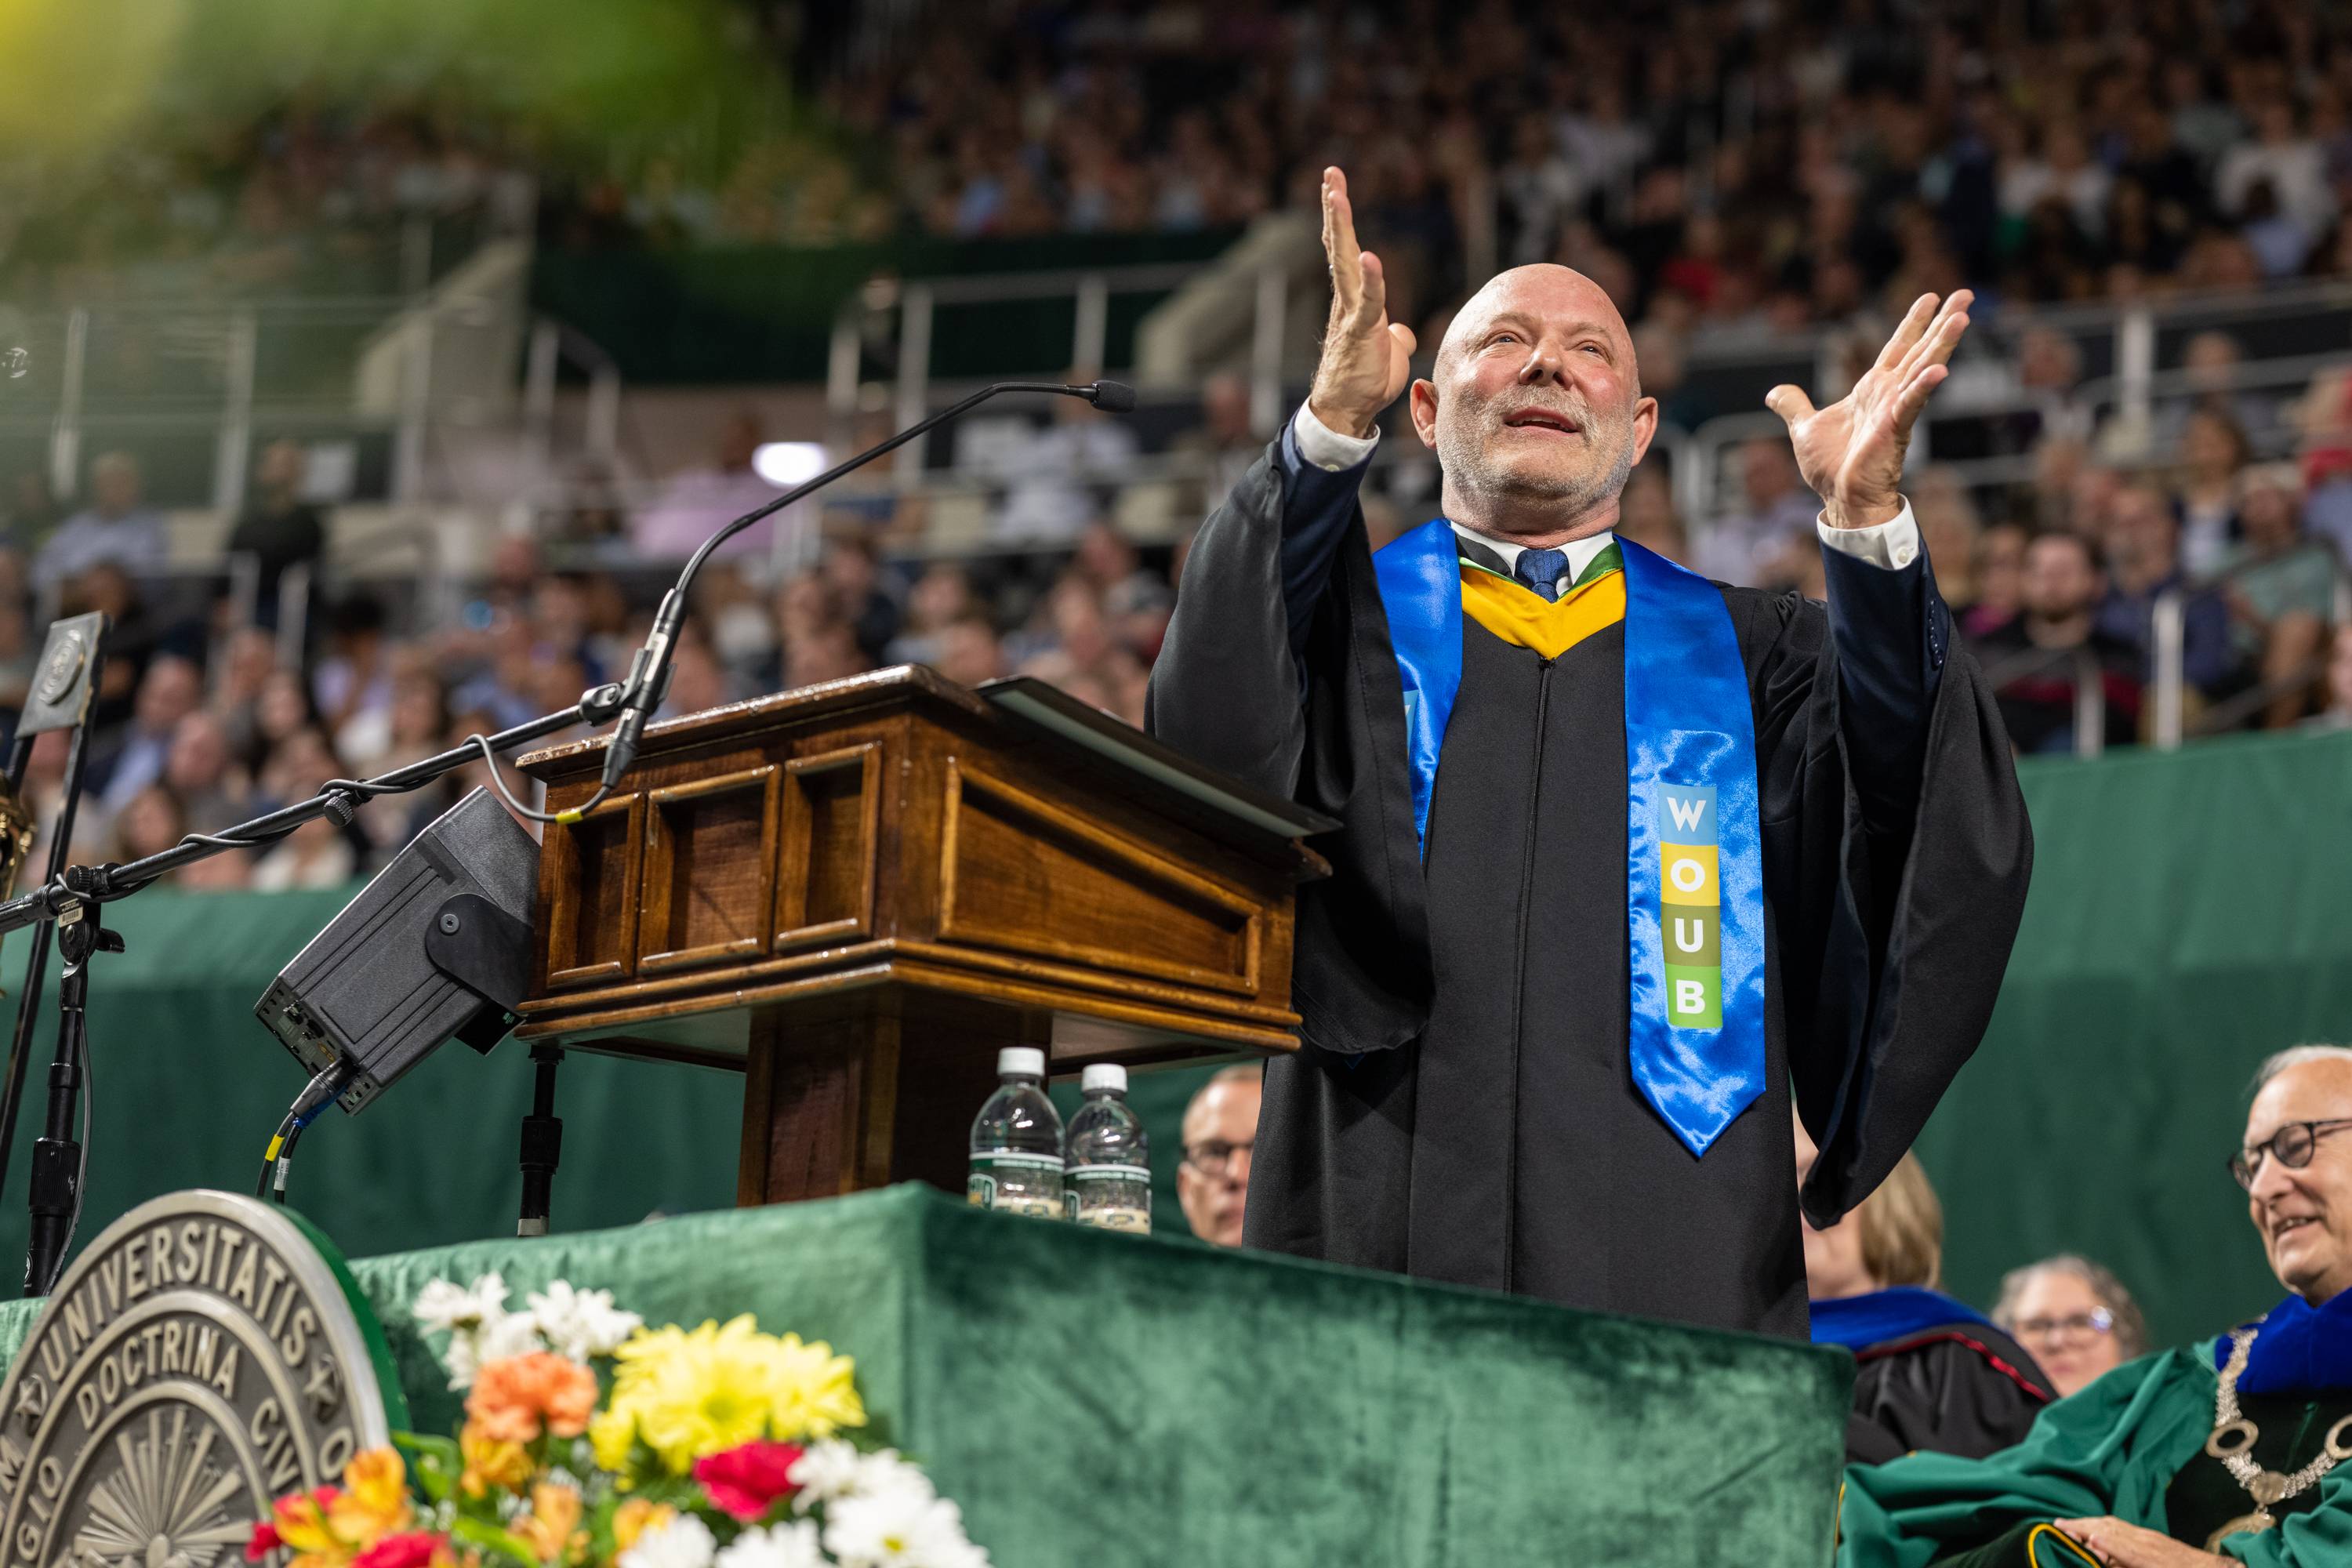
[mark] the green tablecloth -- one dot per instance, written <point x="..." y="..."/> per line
<point x="1091" y="1398"/>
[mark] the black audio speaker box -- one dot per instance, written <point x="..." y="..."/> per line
<point x="438" y="947"/>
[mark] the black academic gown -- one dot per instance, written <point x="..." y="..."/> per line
<point x="1968" y="1389"/>
<point x="1462" y="1108"/>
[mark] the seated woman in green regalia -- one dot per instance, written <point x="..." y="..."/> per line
<point x="2224" y="1453"/>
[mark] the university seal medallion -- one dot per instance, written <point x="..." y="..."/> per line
<point x="205" y="1355"/>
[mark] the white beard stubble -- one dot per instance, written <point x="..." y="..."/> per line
<point x="1462" y="460"/>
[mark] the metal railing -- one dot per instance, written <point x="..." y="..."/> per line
<point x="552" y="344"/>
<point x="2168" y="652"/>
<point x="2129" y="337"/>
<point x="2089" y="679"/>
<point x="2167" y="720"/>
<point x="916" y="302"/>
<point x="168" y="380"/>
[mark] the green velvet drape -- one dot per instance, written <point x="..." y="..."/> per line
<point x="1092" y="1398"/>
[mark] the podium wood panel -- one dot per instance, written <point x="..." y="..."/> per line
<point x="857" y="892"/>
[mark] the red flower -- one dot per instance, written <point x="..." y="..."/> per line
<point x="745" y="1482"/>
<point x="417" y="1549"/>
<point x="265" y="1542"/>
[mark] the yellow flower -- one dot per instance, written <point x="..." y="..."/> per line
<point x="695" y="1391"/>
<point x="373" y="1502"/>
<point x="637" y="1516"/>
<point x="815" y="1393"/>
<point x="551" y="1529"/>
<point x="490" y="1463"/>
<point x="610" y="1432"/>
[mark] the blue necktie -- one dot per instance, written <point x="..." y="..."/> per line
<point x="1541" y="570"/>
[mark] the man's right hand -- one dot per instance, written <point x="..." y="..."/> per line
<point x="1366" y="358"/>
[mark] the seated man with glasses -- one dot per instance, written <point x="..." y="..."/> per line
<point x="1220" y="1136"/>
<point x="2074" y="1317"/>
<point x="2224" y="1453"/>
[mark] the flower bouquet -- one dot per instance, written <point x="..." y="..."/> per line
<point x="591" y="1441"/>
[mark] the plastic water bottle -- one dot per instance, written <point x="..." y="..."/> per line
<point x="1016" y="1140"/>
<point x="1109" y="1172"/>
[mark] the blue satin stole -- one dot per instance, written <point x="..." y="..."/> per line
<point x="1695" y="860"/>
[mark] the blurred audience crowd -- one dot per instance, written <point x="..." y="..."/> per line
<point x="304" y="198"/>
<point x="1751" y="166"/>
<point x="217" y="707"/>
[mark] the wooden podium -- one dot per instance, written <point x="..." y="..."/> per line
<point x="855" y="893"/>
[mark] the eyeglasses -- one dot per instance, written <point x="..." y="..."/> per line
<point x="2292" y="1143"/>
<point x="1214" y="1157"/>
<point x="2097" y="1321"/>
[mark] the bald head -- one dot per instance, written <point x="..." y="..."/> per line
<point x="1539" y="288"/>
<point x="1535" y="409"/>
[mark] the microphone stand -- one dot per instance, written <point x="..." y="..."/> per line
<point x="73" y="899"/>
<point x="28" y="1003"/>
<point x="53" y="1189"/>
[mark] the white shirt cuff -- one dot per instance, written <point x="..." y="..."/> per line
<point x="1326" y="449"/>
<point x="1893" y="544"/>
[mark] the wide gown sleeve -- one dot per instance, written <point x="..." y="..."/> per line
<point x="1896" y="856"/>
<point x="1277" y="669"/>
<point x="2110" y="1449"/>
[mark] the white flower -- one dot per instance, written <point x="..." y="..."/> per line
<point x="463" y="1359"/>
<point x="684" y="1543"/>
<point x="580" y="1323"/>
<point x="453" y="1309"/>
<point x="465" y="1314"/>
<point x="832" y="1470"/>
<point x="517" y="1333"/>
<point x="792" y="1546"/>
<point x="898" y="1530"/>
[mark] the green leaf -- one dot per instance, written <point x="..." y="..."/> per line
<point x="490" y="1538"/>
<point x="434" y="1462"/>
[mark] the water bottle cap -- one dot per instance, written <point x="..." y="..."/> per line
<point x="1023" y="1061"/>
<point x="1103" y="1075"/>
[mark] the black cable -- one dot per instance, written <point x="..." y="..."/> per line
<point x="321" y="1092"/>
<point x="283" y="1166"/>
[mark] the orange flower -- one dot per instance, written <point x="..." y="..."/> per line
<point x="637" y="1516"/>
<point x="373" y="1502"/>
<point x="490" y="1463"/>
<point x="300" y="1520"/>
<point x="551" y="1529"/>
<point x="514" y="1397"/>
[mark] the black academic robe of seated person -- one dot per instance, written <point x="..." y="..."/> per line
<point x="1931" y="1375"/>
<point x="1463" y="1106"/>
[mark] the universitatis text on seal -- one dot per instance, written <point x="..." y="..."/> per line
<point x="201" y="1357"/>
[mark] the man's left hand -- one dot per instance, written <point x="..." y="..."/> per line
<point x="2121" y="1545"/>
<point x="1850" y="453"/>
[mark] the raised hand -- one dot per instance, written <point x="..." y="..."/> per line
<point x="1366" y="358"/>
<point x="1850" y="453"/>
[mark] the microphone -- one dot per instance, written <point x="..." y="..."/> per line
<point x="648" y="680"/>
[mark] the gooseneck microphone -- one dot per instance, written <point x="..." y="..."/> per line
<point x="648" y="680"/>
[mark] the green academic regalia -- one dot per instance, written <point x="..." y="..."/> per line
<point x="2131" y="1446"/>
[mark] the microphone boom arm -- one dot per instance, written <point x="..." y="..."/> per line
<point x="648" y="680"/>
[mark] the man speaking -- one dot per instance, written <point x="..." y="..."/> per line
<point x="1627" y="856"/>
